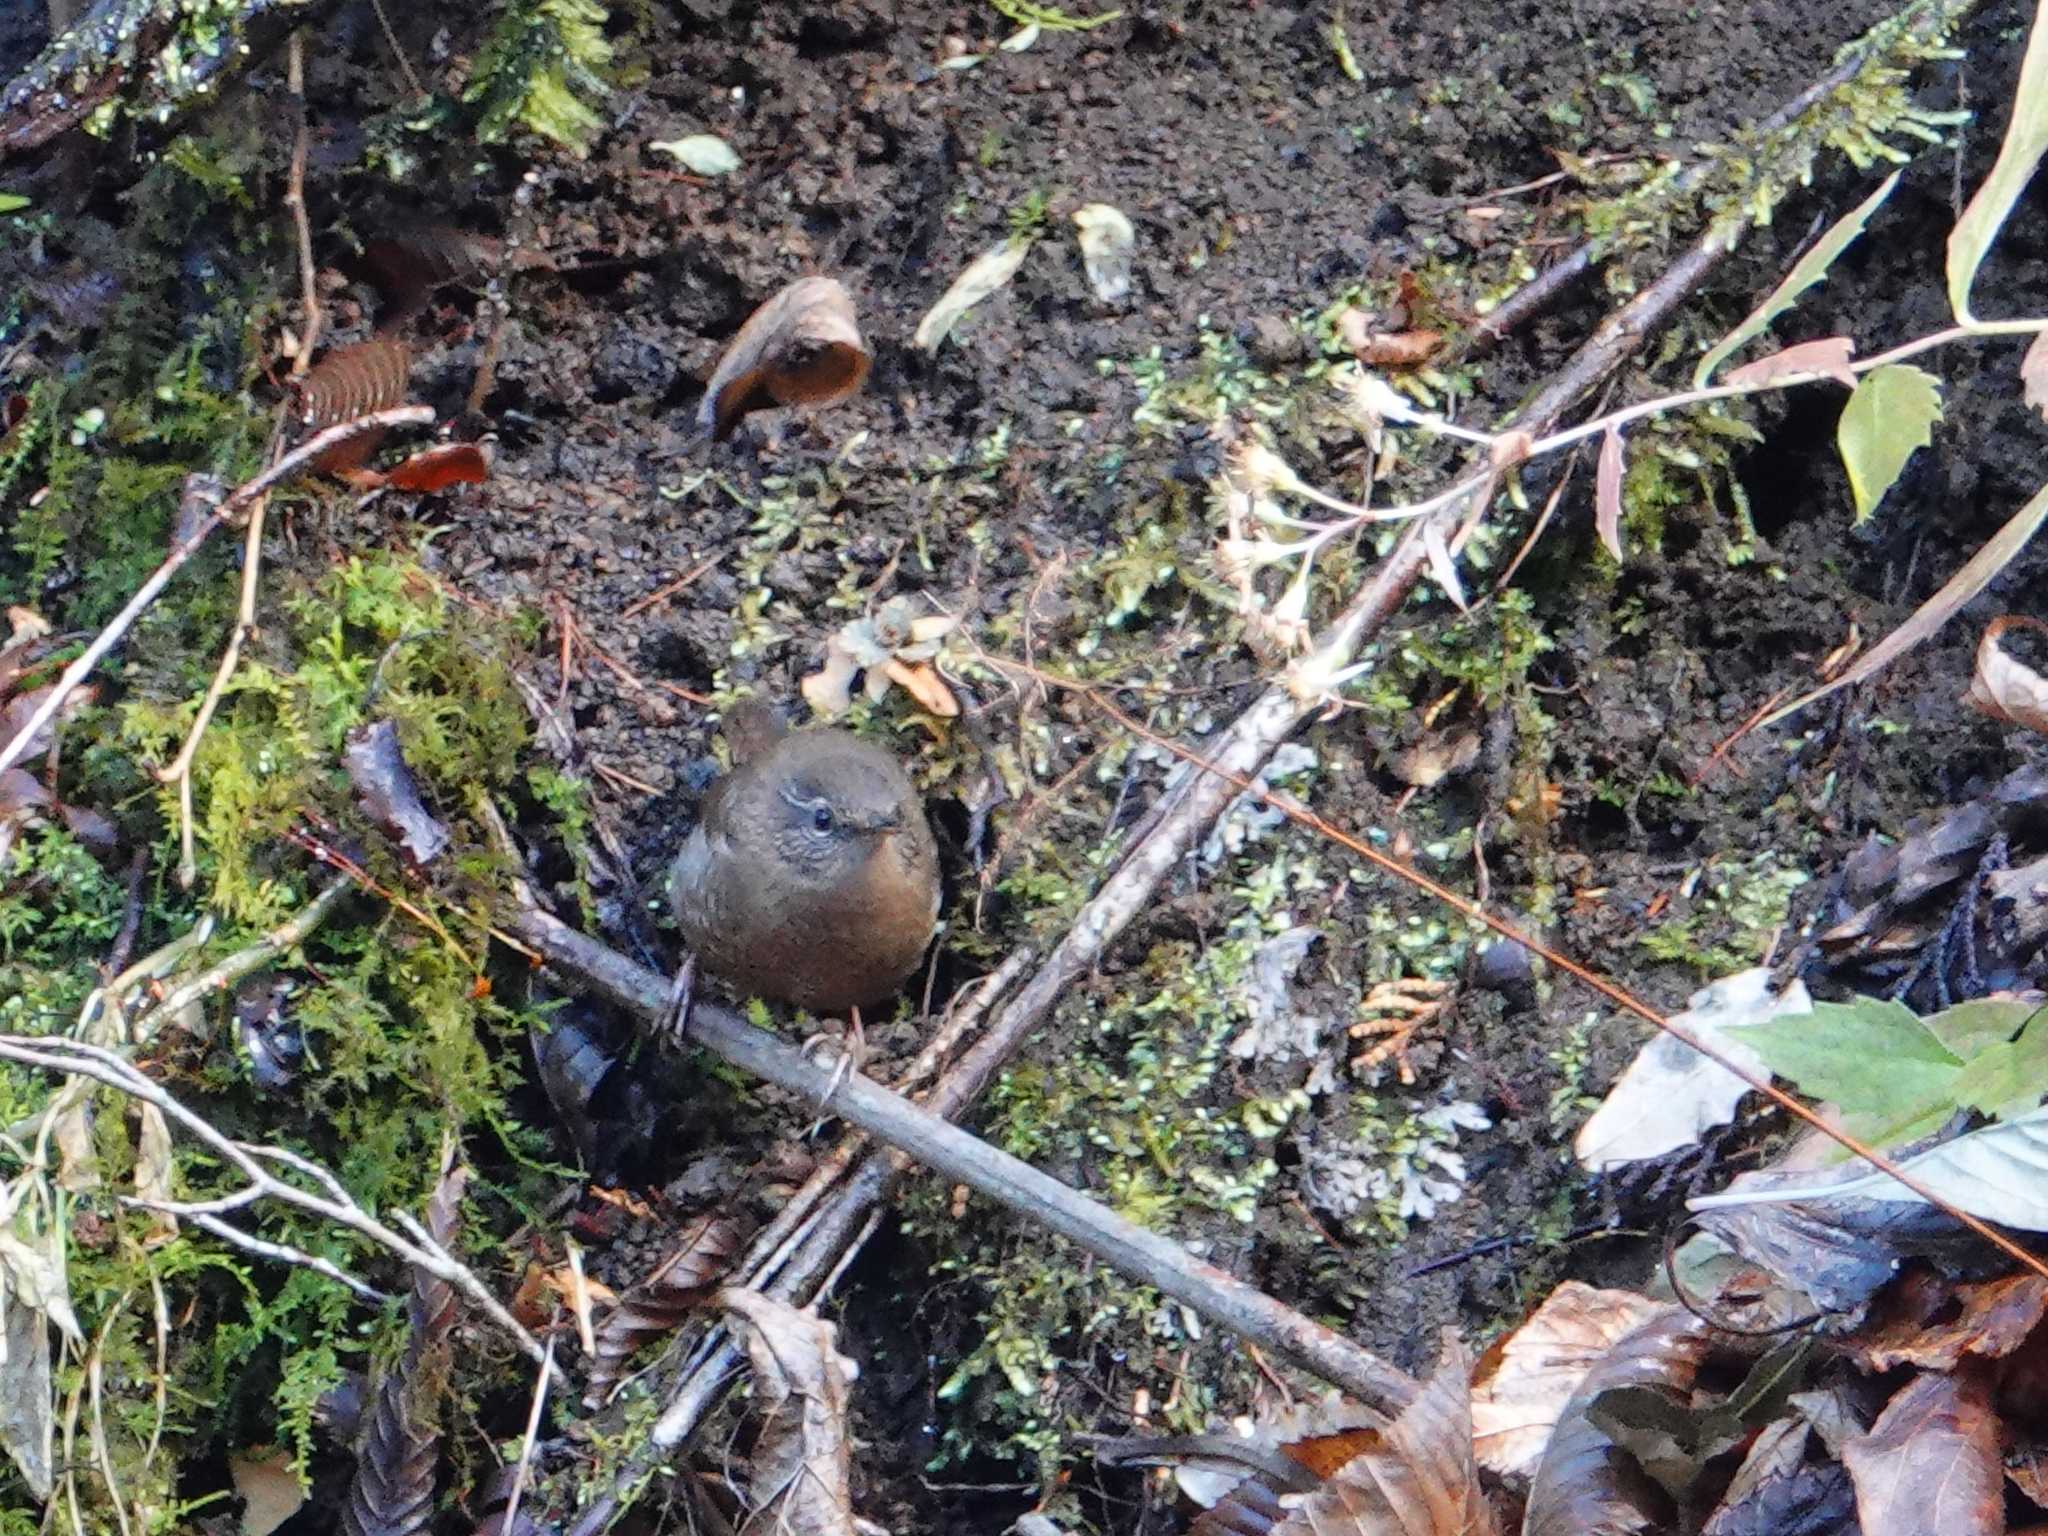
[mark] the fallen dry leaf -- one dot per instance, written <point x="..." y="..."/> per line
<point x="984" y="275"/>
<point x="1420" y="1479"/>
<point x="388" y="794"/>
<point x="2034" y="373"/>
<point x="802" y="347"/>
<point x="1991" y="1318"/>
<point x="1830" y="356"/>
<point x="656" y="1307"/>
<point x="1525" y="1380"/>
<point x="1931" y="1462"/>
<point x="2005" y="689"/>
<point x="1671" y="1093"/>
<point x="437" y="468"/>
<point x="1586" y="1483"/>
<point x="1607" y="493"/>
<point x="802" y="1469"/>
<point x="1397" y="349"/>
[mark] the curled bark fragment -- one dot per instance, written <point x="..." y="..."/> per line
<point x="802" y="347"/>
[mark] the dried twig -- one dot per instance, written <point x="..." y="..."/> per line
<point x="1147" y="1256"/>
<point x="76" y="1057"/>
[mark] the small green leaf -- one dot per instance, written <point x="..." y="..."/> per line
<point x="1873" y="1058"/>
<point x="1809" y="269"/>
<point x="2026" y="137"/>
<point x="12" y="202"/>
<point x="2009" y="1077"/>
<point x="1970" y="1029"/>
<point x="1892" y="413"/>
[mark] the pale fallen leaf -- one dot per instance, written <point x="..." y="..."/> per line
<point x="2034" y="373"/>
<point x="1830" y="356"/>
<point x="25" y="624"/>
<point x="26" y="1404"/>
<point x="2006" y="689"/>
<point x="269" y="1488"/>
<point x="984" y="275"/>
<point x="153" y="1170"/>
<point x="704" y="153"/>
<point x="1671" y="1093"/>
<point x="1607" y="493"/>
<point x="1998" y="1174"/>
<point x="802" y="1468"/>
<point x="1524" y="1382"/>
<point x="1106" y="240"/>
<point x="829" y="690"/>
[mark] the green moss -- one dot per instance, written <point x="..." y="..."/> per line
<point x="543" y="65"/>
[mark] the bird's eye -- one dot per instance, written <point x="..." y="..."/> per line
<point x="821" y="818"/>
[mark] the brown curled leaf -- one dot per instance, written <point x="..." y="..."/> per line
<point x="802" y="347"/>
<point x="1931" y="1462"/>
<point x="1398" y="349"/>
<point x="348" y="383"/>
<point x="658" y="1305"/>
<point x="1418" y="1479"/>
<point x="2005" y="689"/>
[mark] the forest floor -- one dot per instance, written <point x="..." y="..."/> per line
<point x="1046" y="475"/>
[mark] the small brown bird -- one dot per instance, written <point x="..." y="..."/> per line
<point x="813" y="876"/>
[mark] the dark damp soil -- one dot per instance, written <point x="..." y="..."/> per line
<point x="1004" y="477"/>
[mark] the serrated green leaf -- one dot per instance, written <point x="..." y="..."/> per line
<point x="1970" y="1029"/>
<point x="1892" y="413"/>
<point x="2026" y="137"/>
<point x="1873" y="1058"/>
<point x="1809" y="269"/>
<point x="2009" y="1077"/>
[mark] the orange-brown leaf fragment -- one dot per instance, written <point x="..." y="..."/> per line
<point x="435" y="469"/>
<point x="1994" y="1319"/>
<point x="1420" y="1480"/>
<point x="2006" y="689"/>
<point x="802" y="347"/>
<point x="1931" y="1462"/>
<point x="1398" y="349"/>
<point x="1829" y="355"/>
